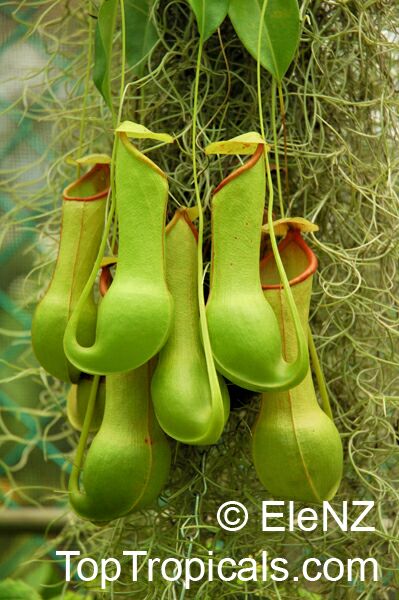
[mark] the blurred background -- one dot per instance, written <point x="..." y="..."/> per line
<point x="32" y="462"/>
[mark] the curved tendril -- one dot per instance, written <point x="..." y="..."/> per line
<point x="302" y="349"/>
<point x="216" y="393"/>
<point x="76" y="468"/>
<point x="112" y="196"/>
<point x="118" y="119"/>
<point x="321" y="382"/>
<point x="284" y="124"/>
<point x="86" y="86"/>
<point x="77" y="463"/>
<point x="276" y="154"/>
<point x="312" y="348"/>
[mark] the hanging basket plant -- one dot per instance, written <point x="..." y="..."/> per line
<point x="185" y="356"/>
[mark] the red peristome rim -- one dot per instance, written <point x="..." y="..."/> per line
<point x="293" y="235"/>
<point x="250" y="163"/>
<point x="124" y="138"/>
<point x="98" y="196"/>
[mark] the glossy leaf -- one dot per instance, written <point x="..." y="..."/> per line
<point x="246" y="143"/>
<point x="103" y="48"/>
<point x="209" y="14"/>
<point x="141" y="34"/>
<point x="280" y="31"/>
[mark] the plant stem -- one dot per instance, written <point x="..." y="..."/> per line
<point x="74" y="479"/>
<point x="86" y="85"/>
<point x="77" y="464"/>
<point x="302" y="349"/>
<point x="284" y="123"/>
<point x="123" y="65"/>
<point x="118" y="120"/>
<point x="216" y="394"/>
<point x="312" y="348"/>
<point x="277" y="158"/>
<point x="325" y="401"/>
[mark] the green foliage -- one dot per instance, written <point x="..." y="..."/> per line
<point x="209" y="15"/>
<point x="302" y="593"/>
<point x="17" y="590"/>
<point x="141" y="37"/>
<point x="280" y="31"/>
<point x="72" y="596"/>
<point x="141" y="34"/>
<point x="103" y="48"/>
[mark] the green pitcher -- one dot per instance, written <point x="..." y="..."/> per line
<point x="243" y="329"/>
<point x="134" y="319"/>
<point x="129" y="458"/>
<point x="83" y="215"/>
<point x="180" y="386"/>
<point x="296" y="448"/>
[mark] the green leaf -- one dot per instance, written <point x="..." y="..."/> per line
<point x="103" y="48"/>
<point x="17" y="590"/>
<point x="141" y="34"/>
<point x="280" y="31"/>
<point x="209" y="14"/>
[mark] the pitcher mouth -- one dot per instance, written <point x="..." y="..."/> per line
<point x="247" y="165"/>
<point x="181" y="213"/>
<point x="100" y="175"/>
<point x="293" y="236"/>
